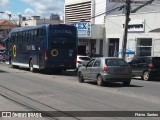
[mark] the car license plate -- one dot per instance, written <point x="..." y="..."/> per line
<point x="118" y="70"/>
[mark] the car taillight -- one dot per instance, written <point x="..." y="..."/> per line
<point x="46" y="54"/>
<point x="79" y="62"/>
<point x="151" y="66"/>
<point x="105" y="68"/>
<point x="129" y="67"/>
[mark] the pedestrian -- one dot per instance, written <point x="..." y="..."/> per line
<point x="92" y="53"/>
<point x="87" y="53"/>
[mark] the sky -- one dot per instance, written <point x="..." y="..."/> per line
<point x="28" y="8"/>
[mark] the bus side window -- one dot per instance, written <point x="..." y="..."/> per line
<point x="23" y="36"/>
<point x="38" y="35"/>
<point x="16" y="39"/>
<point x="32" y="36"/>
<point x="12" y="37"/>
<point x="20" y="37"/>
<point x="44" y="32"/>
<point x="40" y="32"/>
<point x="26" y="37"/>
<point x="35" y="35"/>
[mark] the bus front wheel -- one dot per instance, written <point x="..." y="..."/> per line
<point x="31" y="66"/>
<point x="11" y="63"/>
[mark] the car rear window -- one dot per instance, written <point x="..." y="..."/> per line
<point x="156" y="61"/>
<point x="115" y="62"/>
<point x="84" y="58"/>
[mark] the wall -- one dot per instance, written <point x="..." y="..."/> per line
<point x="100" y="11"/>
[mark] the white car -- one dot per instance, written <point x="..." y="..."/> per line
<point x="81" y="60"/>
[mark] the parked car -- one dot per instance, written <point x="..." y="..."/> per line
<point x="81" y="60"/>
<point x="106" y="69"/>
<point x="2" y="56"/>
<point x="147" y="68"/>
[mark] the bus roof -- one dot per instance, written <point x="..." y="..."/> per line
<point x="18" y="29"/>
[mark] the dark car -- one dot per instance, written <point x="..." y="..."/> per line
<point x="106" y="69"/>
<point x="148" y="68"/>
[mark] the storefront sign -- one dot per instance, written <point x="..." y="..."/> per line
<point x="84" y="29"/>
<point x="135" y="26"/>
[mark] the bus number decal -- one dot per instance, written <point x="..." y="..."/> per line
<point x="14" y="50"/>
<point x="54" y="52"/>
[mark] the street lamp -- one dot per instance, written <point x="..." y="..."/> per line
<point x="43" y="19"/>
<point x="20" y="19"/>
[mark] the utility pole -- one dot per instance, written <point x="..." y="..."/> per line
<point x="124" y="42"/>
<point x="20" y="20"/>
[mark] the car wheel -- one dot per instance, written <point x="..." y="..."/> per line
<point x="146" y="76"/>
<point x="126" y="83"/>
<point x="80" y="77"/>
<point x="100" y="81"/>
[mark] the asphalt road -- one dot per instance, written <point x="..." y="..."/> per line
<point x="63" y="92"/>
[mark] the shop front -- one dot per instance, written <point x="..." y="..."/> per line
<point x="141" y="40"/>
<point x="90" y="38"/>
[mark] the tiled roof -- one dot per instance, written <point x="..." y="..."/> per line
<point x="5" y="24"/>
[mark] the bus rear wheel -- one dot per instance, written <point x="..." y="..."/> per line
<point x="31" y="66"/>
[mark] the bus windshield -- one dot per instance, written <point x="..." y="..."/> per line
<point x="62" y="40"/>
<point x="59" y="35"/>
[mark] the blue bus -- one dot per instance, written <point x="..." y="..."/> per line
<point x="43" y="47"/>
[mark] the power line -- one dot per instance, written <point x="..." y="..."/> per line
<point x="141" y="6"/>
<point x="109" y="11"/>
<point x="148" y="25"/>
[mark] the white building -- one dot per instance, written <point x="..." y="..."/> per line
<point x="105" y="21"/>
<point x="88" y="17"/>
<point x="36" y="20"/>
<point x="143" y="34"/>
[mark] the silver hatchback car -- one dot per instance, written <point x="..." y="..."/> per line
<point x="106" y="69"/>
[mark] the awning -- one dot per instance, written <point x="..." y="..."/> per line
<point x="127" y="52"/>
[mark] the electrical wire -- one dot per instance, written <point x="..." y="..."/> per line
<point x="147" y="25"/>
